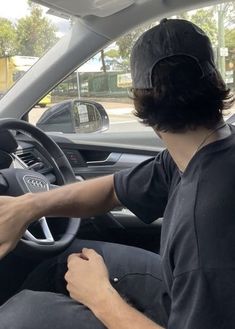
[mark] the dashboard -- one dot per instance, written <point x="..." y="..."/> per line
<point x="87" y="161"/>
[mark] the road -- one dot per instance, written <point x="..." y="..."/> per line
<point x="128" y="126"/>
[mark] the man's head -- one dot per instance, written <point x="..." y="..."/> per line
<point x="175" y="82"/>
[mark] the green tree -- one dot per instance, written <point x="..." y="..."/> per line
<point x="35" y="33"/>
<point x="7" y="38"/>
<point x="225" y="13"/>
<point x="230" y="44"/>
<point x="121" y="64"/>
<point x="102" y="57"/>
<point x="230" y="39"/>
<point x="229" y="13"/>
<point x="112" y="53"/>
<point x="183" y="15"/>
<point x="202" y="17"/>
<point x="205" y="19"/>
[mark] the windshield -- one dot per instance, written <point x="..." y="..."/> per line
<point x="27" y="31"/>
<point x="106" y="79"/>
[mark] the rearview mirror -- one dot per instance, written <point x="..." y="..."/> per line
<point x="74" y="116"/>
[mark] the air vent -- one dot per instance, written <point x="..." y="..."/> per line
<point x="31" y="160"/>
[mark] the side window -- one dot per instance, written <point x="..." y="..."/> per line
<point x="106" y="77"/>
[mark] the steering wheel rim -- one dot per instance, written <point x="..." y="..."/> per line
<point x="64" y="174"/>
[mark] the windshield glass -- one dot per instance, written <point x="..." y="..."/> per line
<point x="27" y="31"/>
<point x="106" y="80"/>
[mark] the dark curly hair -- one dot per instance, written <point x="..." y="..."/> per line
<point x="181" y="98"/>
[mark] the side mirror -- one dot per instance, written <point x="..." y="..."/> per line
<point x="75" y="116"/>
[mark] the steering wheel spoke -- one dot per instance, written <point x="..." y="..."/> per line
<point x="48" y="240"/>
<point x="53" y="186"/>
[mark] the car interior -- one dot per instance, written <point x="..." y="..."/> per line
<point x="34" y="159"/>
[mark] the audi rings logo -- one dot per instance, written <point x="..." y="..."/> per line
<point x="35" y="183"/>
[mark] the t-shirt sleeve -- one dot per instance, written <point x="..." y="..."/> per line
<point x="203" y="299"/>
<point x="144" y="189"/>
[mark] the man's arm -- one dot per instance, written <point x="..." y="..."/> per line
<point x="115" y="313"/>
<point x="83" y="199"/>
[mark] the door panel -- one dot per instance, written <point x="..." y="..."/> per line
<point x="90" y="158"/>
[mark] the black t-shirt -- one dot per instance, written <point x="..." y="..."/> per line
<point x="198" y="231"/>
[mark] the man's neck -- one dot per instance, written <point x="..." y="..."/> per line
<point x="183" y="146"/>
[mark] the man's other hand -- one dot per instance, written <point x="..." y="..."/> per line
<point x="87" y="277"/>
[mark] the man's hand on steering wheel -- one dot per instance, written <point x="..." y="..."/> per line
<point x="83" y="199"/>
<point x="15" y="216"/>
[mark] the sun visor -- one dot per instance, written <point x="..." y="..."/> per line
<point x="100" y="8"/>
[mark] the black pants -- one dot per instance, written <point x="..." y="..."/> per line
<point x="44" y="302"/>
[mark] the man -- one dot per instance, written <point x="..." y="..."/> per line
<point x="178" y="92"/>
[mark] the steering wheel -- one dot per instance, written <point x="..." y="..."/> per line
<point x="14" y="181"/>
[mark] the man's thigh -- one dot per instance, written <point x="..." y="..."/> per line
<point x="45" y="310"/>
<point x="134" y="273"/>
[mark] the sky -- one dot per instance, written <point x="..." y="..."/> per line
<point x="15" y="9"/>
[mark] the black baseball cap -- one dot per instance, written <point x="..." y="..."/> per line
<point x="172" y="37"/>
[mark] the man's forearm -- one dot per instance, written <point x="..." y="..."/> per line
<point x="83" y="199"/>
<point x="115" y="313"/>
